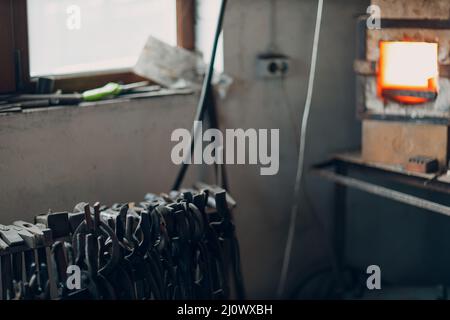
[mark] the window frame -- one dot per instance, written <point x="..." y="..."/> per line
<point x="14" y="51"/>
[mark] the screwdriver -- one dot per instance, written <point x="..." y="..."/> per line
<point x="111" y="89"/>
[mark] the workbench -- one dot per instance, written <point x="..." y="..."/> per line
<point x="341" y="170"/>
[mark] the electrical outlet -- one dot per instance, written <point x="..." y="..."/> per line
<point x="271" y="65"/>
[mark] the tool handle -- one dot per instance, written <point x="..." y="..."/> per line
<point x="111" y="89"/>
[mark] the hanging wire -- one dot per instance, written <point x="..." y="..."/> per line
<point x="273" y="27"/>
<point x="301" y="155"/>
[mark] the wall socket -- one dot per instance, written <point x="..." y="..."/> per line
<point x="270" y="65"/>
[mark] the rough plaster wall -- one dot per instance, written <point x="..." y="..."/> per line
<point x="264" y="202"/>
<point x="409" y="245"/>
<point x="108" y="153"/>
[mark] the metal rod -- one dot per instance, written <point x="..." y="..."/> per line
<point x="301" y="154"/>
<point x="385" y="192"/>
<point x="202" y="104"/>
<point x="2" y="272"/>
<point x="434" y="24"/>
<point x="415" y="181"/>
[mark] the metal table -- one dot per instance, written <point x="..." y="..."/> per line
<point x="338" y="170"/>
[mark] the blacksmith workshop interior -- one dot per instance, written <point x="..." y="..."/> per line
<point x="224" y="150"/>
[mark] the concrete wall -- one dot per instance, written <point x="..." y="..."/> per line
<point x="108" y="152"/>
<point x="265" y="202"/>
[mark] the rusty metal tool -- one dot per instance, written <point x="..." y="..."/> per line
<point x="42" y="241"/>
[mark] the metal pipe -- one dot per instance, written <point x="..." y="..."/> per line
<point x="301" y="155"/>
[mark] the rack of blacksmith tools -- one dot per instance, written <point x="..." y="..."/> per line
<point x="169" y="246"/>
<point x="25" y="253"/>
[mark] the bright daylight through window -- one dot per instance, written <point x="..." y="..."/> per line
<point x="68" y="37"/>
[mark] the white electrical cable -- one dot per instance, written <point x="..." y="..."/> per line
<point x="301" y="155"/>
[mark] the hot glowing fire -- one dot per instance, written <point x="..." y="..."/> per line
<point x="408" y="71"/>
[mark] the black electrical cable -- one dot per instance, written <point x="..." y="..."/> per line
<point x="203" y="102"/>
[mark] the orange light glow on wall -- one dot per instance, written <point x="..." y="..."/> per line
<point x="408" y="71"/>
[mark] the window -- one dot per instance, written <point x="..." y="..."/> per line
<point x="84" y="43"/>
<point x="67" y="36"/>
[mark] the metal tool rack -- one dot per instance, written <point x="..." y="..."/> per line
<point x="339" y="170"/>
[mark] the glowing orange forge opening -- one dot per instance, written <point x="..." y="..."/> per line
<point x="408" y="71"/>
